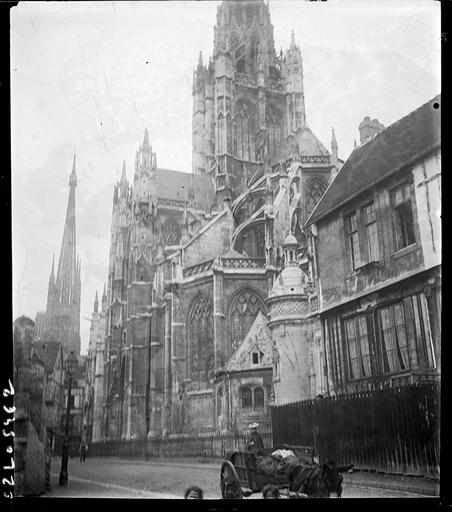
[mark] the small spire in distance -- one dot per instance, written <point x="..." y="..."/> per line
<point x="96" y="303"/>
<point x="123" y="175"/>
<point x="200" y="63"/>
<point x="292" y="40"/>
<point x="333" y="140"/>
<point x="146" y="137"/>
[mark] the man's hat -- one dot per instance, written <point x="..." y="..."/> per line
<point x="253" y="425"/>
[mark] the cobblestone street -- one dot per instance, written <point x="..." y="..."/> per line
<point x="122" y="478"/>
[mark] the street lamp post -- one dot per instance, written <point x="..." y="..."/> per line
<point x="71" y="364"/>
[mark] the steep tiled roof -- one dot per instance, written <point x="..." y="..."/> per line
<point x="176" y="184"/>
<point x="308" y="145"/>
<point x="393" y="148"/>
<point x="48" y="351"/>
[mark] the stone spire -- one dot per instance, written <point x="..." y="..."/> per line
<point x="334" y="148"/>
<point x="104" y="296"/>
<point x="123" y="174"/>
<point x="67" y="265"/>
<point x="292" y="71"/>
<point x="96" y="303"/>
<point x="292" y="40"/>
<point x="63" y="299"/>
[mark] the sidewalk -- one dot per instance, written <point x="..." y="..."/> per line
<point x="414" y="484"/>
<point x="419" y="485"/>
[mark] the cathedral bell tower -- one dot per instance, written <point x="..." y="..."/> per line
<point x="238" y="103"/>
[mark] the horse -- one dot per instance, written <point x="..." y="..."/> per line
<point x="318" y="480"/>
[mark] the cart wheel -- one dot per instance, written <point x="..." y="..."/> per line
<point x="229" y="482"/>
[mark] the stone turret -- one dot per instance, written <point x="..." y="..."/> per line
<point x="368" y="129"/>
<point x="288" y="309"/>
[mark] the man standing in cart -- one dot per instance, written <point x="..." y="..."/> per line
<point x="255" y="442"/>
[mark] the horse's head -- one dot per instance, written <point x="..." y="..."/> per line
<point x="331" y="480"/>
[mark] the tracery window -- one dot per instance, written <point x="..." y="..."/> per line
<point x="201" y="339"/>
<point x="240" y="58"/>
<point x="245" y="132"/>
<point x="171" y="232"/>
<point x="243" y="312"/>
<point x="274" y="130"/>
<point x="315" y="191"/>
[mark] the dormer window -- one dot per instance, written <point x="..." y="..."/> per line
<point x="256" y="356"/>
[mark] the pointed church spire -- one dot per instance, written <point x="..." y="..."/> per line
<point x="67" y="264"/>
<point x="73" y="177"/>
<point x="104" y="295"/>
<point x="123" y="174"/>
<point x="334" y="148"/>
<point x="292" y="40"/>
<point x="146" y="138"/>
<point x="96" y="303"/>
<point x="200" y="63"/>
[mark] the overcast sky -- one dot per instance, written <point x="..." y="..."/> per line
<point x="91" y="76"/>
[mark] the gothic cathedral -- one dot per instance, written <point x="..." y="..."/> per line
<point x="210" y="295"/>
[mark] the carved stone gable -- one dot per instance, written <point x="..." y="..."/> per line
<point x="256" y="349"/>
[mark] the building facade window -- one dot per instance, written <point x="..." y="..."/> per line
<point x="243" y="312"/>
<point x="252" y="398"/>
<point x="392" y="339"/>
<point x="402" y="203"/>
<point x="394" y="343"/>
<point x="358" y="347"/>
<point x="351" y="230"/>
<point x="247" y="398"/>
<point x="371" y="234"/>
<point x="258" y="398"/>
<point x="201" y="339"/>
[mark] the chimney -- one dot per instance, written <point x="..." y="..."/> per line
<point x="368" y="129"/>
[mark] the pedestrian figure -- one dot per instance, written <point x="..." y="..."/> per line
<point x="194" y="493"/>
<point x="271" y="492"/>
<point x="83" y="450"/>
<point x="255" y="442"/>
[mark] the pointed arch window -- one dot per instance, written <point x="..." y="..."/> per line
<point x="171" y="232"/>
<point x="245" y="132"/>
<point x="220" y="134"/>
<point x="247" y="398"/>
<point x="315" y="191"/>
<point x="243" y="312"/>
<point x="258" y="398"/>
<point x="274" y="129"/>
<point x="240" y="58"/>
<point x="201" y="339"/>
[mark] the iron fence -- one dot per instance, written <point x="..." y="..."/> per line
<point x="394" y="430"/>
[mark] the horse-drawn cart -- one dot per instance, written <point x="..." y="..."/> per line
<point x="241" y="474"/>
